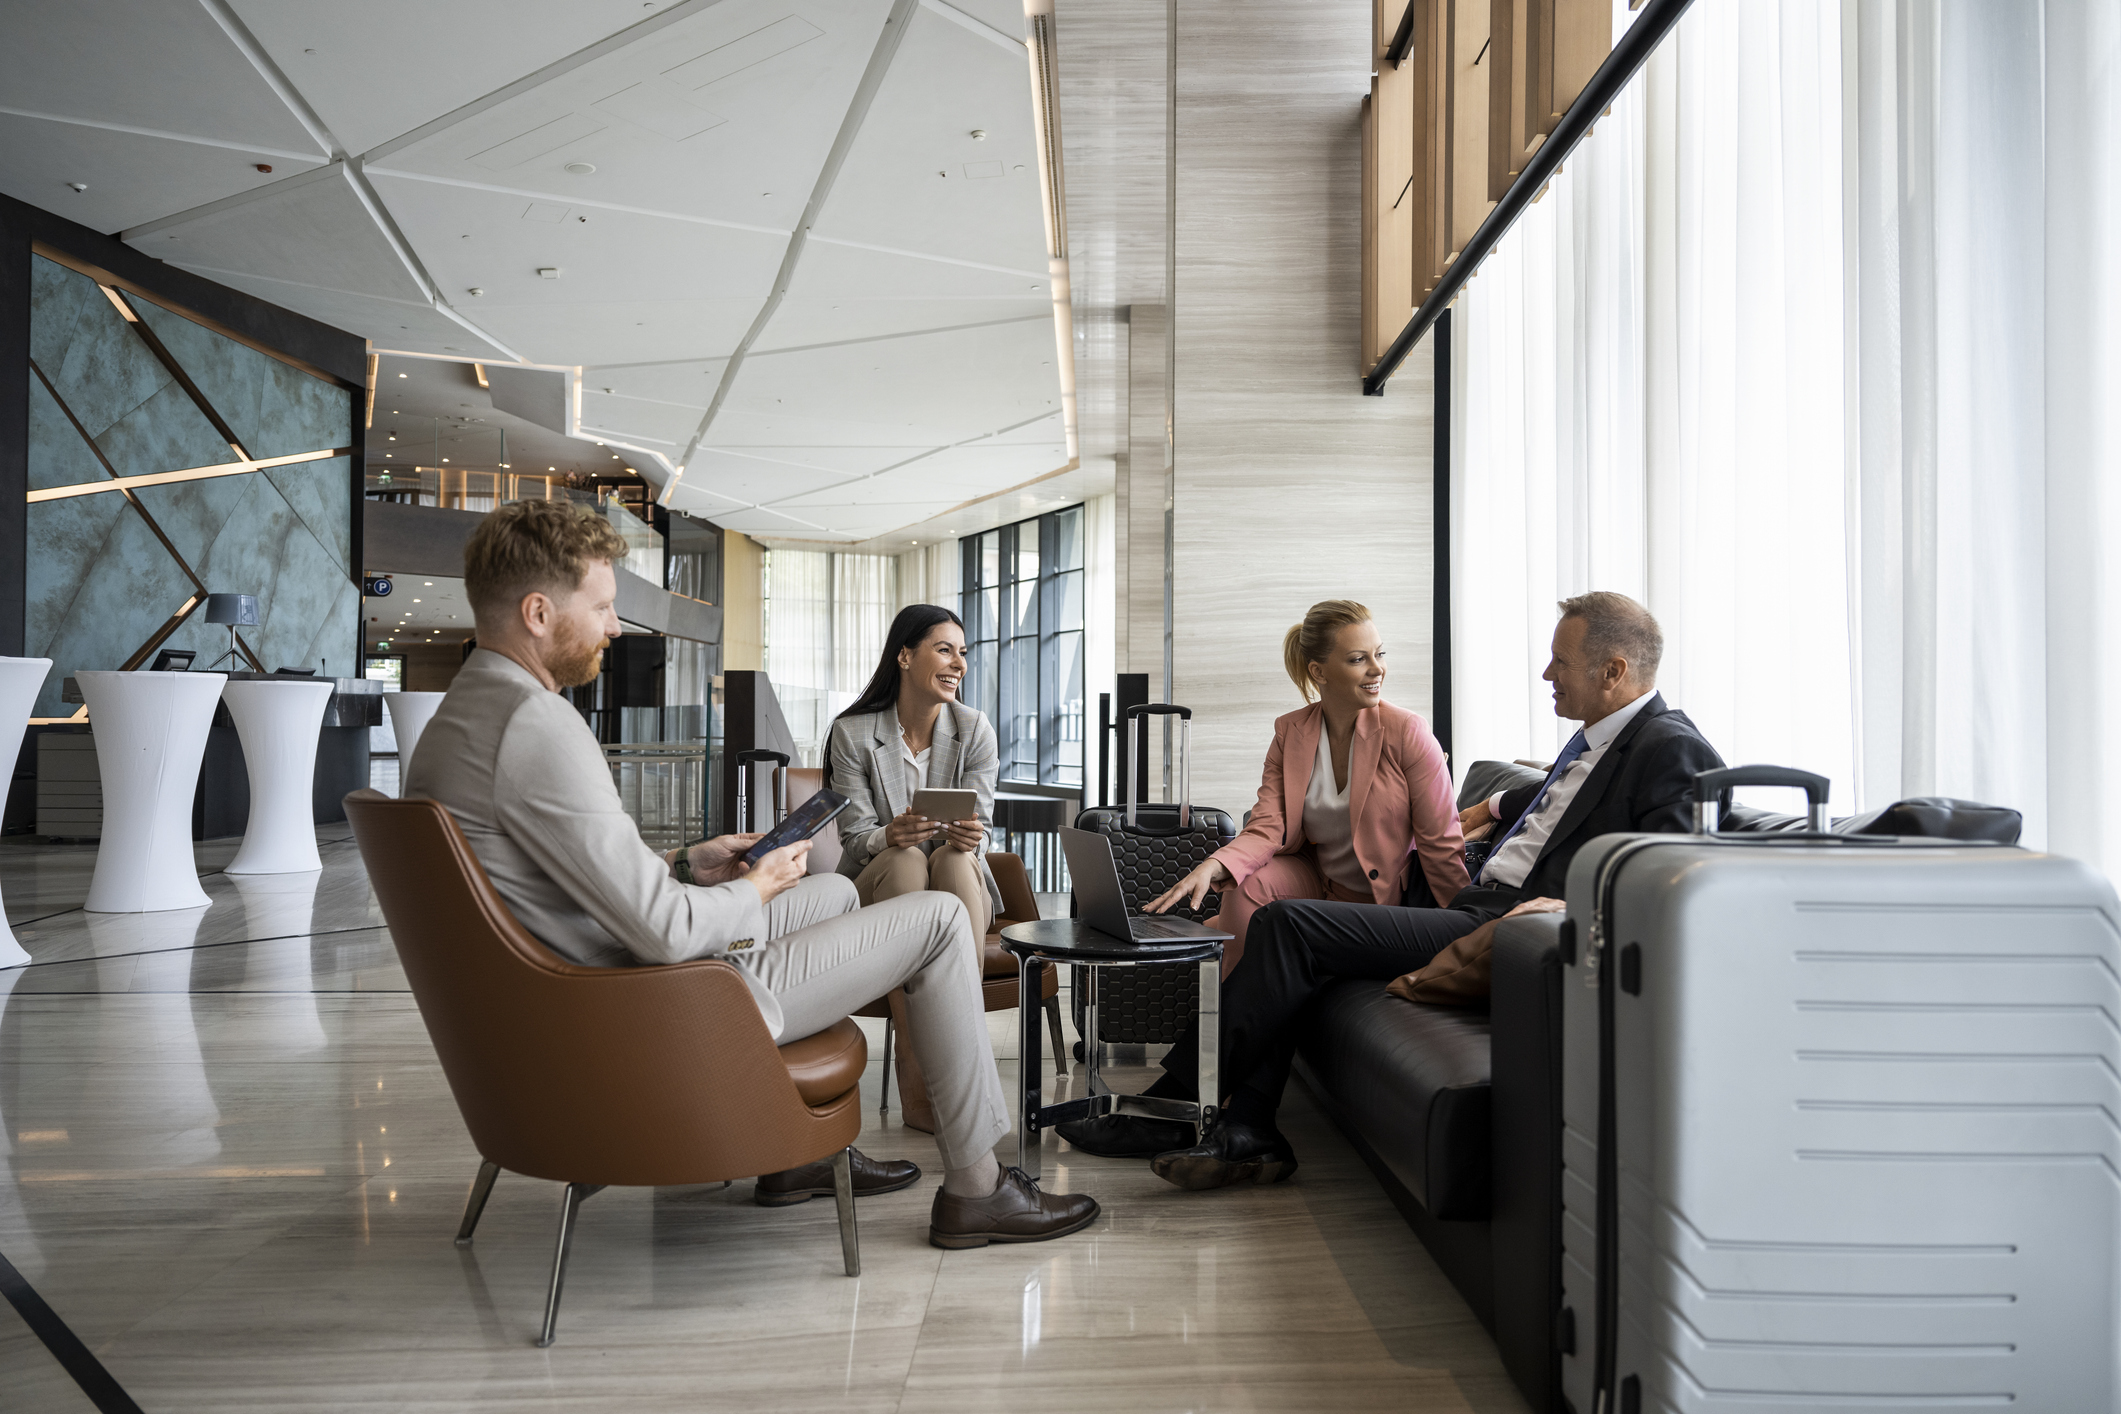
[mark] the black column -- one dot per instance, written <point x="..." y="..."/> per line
<point x="1440" y="591"/>
<point x="14" y="437"/>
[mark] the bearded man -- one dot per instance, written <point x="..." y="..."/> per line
<point x="526" y="779"/>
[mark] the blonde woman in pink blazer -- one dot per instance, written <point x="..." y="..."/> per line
<point x="1354" y="789"/>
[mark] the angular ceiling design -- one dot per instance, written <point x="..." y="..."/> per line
<point x="796" y="247"/>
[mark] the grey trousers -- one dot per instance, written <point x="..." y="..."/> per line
<point x="825" y="957"/>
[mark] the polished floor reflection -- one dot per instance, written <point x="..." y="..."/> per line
<point x="233" y="1169"/>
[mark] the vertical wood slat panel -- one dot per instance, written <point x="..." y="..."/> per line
<point x="1466" y="114"/>
<point x="1397" y="187"/>
<point x="1507" y="23"/>
<point x="1371" y="348"/>
<point x="1429" y="60"/>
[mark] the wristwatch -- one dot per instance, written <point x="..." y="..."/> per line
<point x="681" y="868"/>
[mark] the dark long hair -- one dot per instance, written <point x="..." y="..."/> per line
<point x="909" y="630"/>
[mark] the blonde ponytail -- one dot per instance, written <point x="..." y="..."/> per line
<point x="1310" y="641"/>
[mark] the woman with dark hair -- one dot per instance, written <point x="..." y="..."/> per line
<point x="908" y="732"/>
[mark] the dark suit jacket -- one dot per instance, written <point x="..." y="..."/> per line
<point x="1643" y="784"/>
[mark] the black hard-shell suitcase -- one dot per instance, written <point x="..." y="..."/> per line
<point x="1154" y="846"/>
<point x="1837" y="1122"/>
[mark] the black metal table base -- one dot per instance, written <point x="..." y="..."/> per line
<point x="1055" y="941"/>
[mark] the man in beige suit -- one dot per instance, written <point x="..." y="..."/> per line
<point x="527" y="781"/>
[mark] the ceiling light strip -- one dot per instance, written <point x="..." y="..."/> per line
<point x="196" y="473"/>
<point x="373" y="364"/>
<point x="887" y="46"/>
<point x="1053" y="197"/>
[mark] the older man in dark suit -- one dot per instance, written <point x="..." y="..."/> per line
<point x="1631" y="768"/>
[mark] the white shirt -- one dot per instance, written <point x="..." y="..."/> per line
<point x="1511" y="864"/>
<point x="1326" y="823"/>
<point x="916" y="765"/>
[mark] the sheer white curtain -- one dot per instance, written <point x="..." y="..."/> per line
<point x="1651" y="402"/>
<point x="864" y="601"/>
<point x="1986" y="487"/>
<point x="930" y="575"/>
<point x="1813" y="348"/>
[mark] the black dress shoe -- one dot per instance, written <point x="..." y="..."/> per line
<point x="1228" y="1153"/>
<point x="800" y="1185"/>
<point x="1016" y="1211"/>
<point x="1126" y="1136"/>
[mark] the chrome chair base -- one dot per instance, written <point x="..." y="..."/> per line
<point x="579" y="1193"/>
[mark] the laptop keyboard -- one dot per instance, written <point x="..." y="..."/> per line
<point x="1152" y="925"/>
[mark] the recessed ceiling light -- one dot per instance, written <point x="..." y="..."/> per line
<point x="477" y="291"/>
<point x="78" y="186"/>
<point x="979" y="134"/>
<point x="429" y="583"/>
<point x="548" y="272"/>
<point x="579" y="169"/>
<point x="401" y="375"/>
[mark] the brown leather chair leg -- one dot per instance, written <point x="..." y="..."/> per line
<point x="915" y="1112"/>
<point x="481" y="1190"/>
<point x="843" y="1193"/>
<point x="571" y="1204"/>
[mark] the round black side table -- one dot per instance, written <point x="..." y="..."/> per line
<point x="1071" y="941"/>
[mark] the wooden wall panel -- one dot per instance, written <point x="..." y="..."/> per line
<point x="1466" y="117"/>
<point x="1399" y="195"/>
<point x="1429" y="60"/>
<point x="1583" y="36"/>
<point x="1370" y="347"/>
<point x="1508" y="22"/>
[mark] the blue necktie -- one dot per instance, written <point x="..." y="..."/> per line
<point x="1576" y="747"/>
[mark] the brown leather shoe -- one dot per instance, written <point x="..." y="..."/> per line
<point x="1014" y="1212"/>
<point x="800" y="1185"/>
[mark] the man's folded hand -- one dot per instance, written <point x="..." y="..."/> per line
<point x="721" y="859"/>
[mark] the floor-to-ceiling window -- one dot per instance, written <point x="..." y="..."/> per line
<point x="1023" y="610"/>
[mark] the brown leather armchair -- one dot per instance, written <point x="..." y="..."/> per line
<point x="592" y="1076"/>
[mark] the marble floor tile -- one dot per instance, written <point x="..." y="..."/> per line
<point x="230" y="1161"/>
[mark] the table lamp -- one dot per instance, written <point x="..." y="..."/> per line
<point x="233" y="610"/>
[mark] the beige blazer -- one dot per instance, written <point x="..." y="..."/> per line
<point x="528" y="784"/>
<point x="866" y="761"/>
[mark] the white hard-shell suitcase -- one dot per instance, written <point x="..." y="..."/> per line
<point x="1839" y="1124"/>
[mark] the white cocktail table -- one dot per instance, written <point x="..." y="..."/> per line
<point x="150" y="731"/>
<point x="277" y="723"/>
<point x="20" y="679"/>
<point x="410" y="712"/>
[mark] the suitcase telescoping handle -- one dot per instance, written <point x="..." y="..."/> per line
<point x="1139" y="715"/>
<point x="744" y="760"/>
<point x="1712" y="793"/>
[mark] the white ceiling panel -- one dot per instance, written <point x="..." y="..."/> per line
<point x="836" y="273"/>
<point x="752" y="480"/>
<point x="844" y="462"/>
<point x="940" y="387"/>
<point x="1004" y="16"/>
<point x="605" y="333"/>
<point x="385" y="67"/>
<point x="686" y="383"/>
<point x="130" y="177"/>
<point x="917" y="179"/>
<point x="498" y="243"/>
<point x="637" y="419"/>
<point x="761" y="522"/>
<point x="775" y="117"/>
<point x="802" y="324"/>
<point x="397" y="324"/>
<point x="162" y="65"/>
<point x="310" y="230"/>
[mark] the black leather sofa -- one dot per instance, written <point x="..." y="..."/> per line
<point x="1459" y="1111"/>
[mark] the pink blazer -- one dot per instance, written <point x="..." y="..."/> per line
<point x="1399" y="800"/>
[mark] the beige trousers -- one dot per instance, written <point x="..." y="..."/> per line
<point x="895" y="873"/>
<point x="834" y="957"/>
<point x="906" y="870"/>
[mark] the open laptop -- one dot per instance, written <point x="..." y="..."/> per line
<point x="1103" y="906"/>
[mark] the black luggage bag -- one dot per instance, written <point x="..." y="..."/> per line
<point x="1154" y="846"/>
